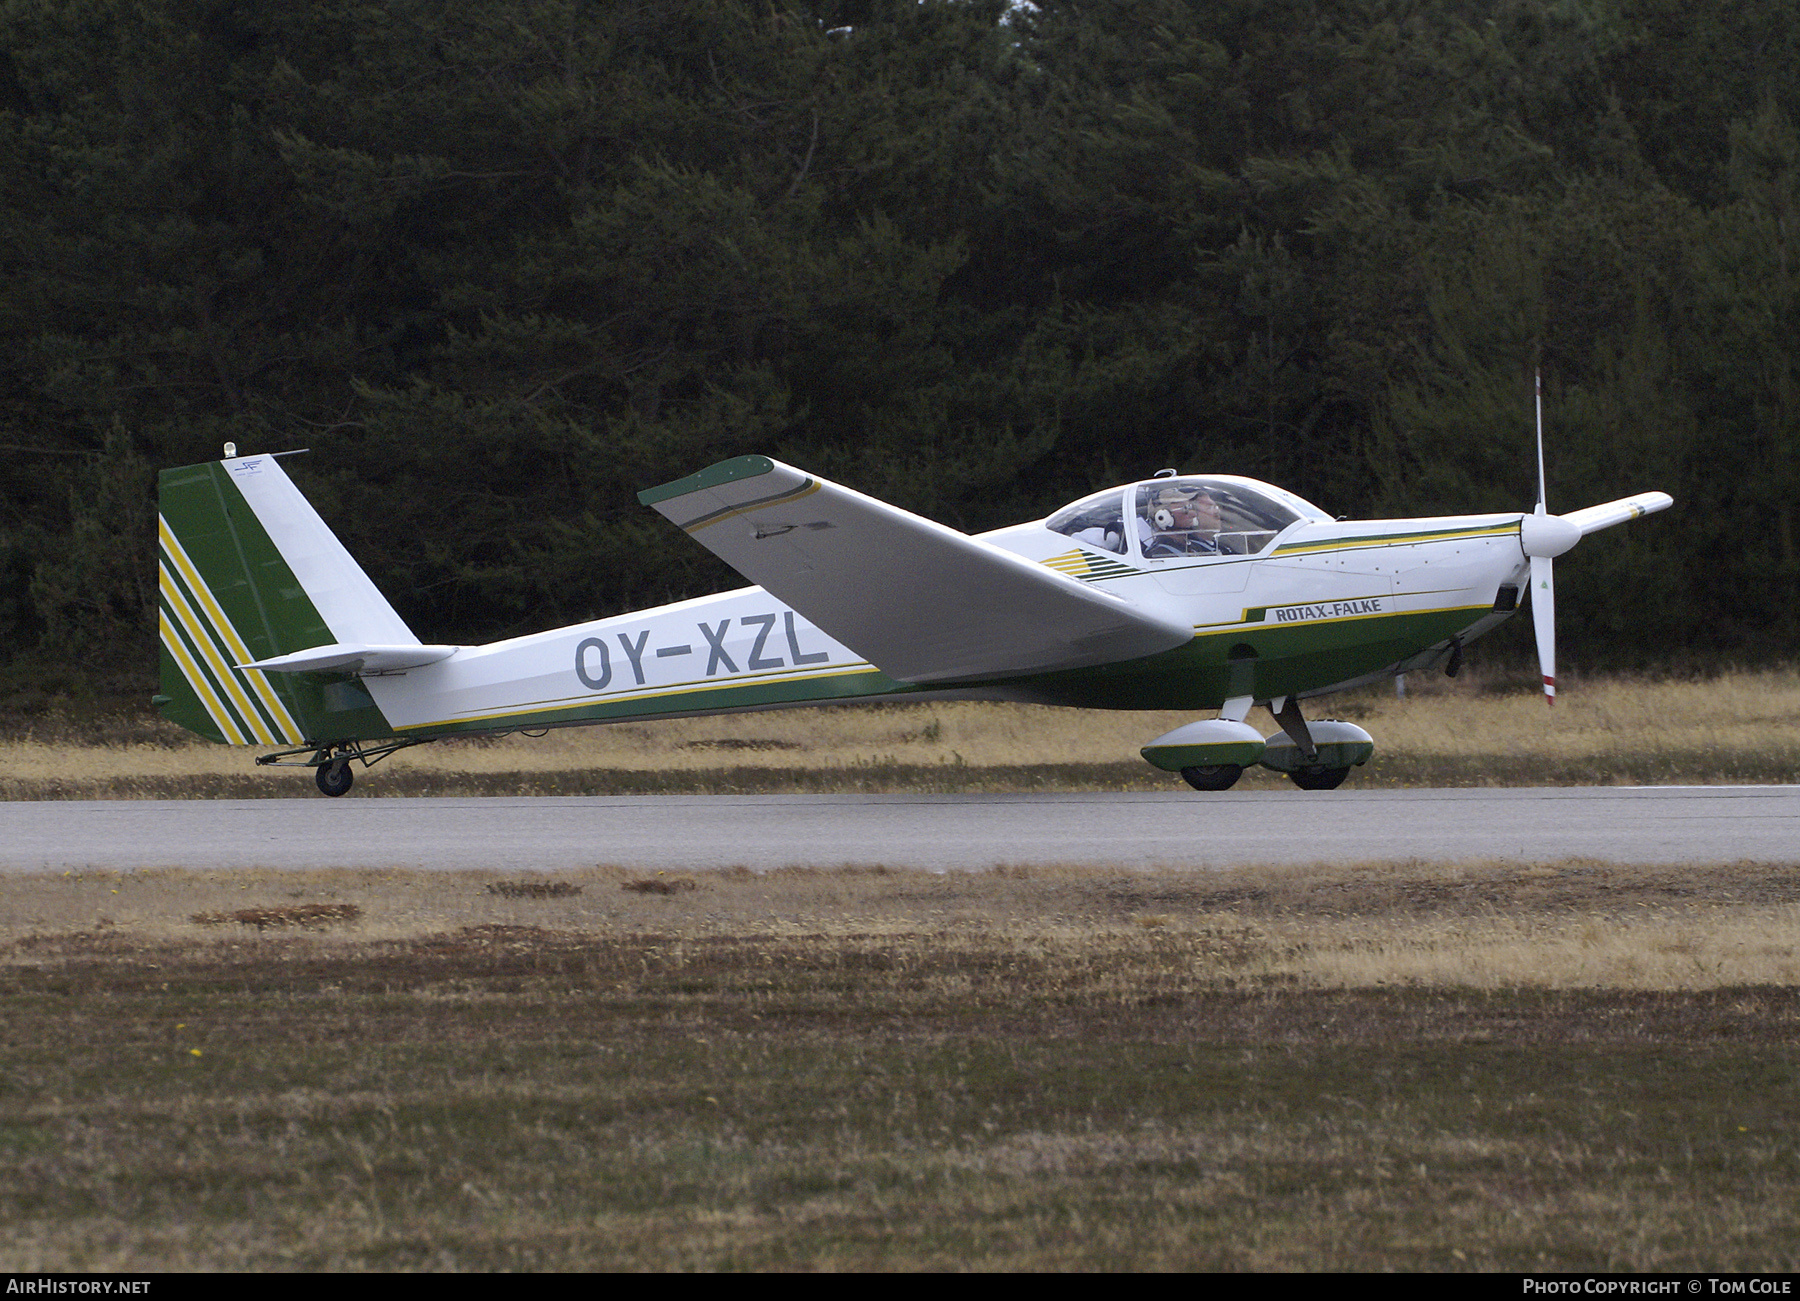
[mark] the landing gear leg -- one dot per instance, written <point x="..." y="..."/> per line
<point x="1316" y="756"/>
<point x="1286" y="712"/>
<point x="331" y="760"/>
<point x="334" y="778"/>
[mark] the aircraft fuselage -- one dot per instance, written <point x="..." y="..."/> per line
<point x="1322" y="605"/>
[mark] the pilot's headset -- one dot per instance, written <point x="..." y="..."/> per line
<point x="1164" y="518"/>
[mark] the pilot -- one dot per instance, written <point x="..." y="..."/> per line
<point x="1180" y="524"/>
<point x="1201" y="523"/>
<point x="1156" y="517"/>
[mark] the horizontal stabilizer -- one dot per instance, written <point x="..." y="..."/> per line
<point x="919" y="601"/>
<point x="1594" y="518"/>
<point x="355" y="659"/>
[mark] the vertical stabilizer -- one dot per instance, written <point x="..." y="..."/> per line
<point x="248" y="571"/>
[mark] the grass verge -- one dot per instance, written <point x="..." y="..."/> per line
<point x="1568" y="1066"/>
<point x="1734" y="728"/>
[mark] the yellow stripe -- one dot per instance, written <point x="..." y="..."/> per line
<point x="768" y="504"/>
<point x="1078" y="564"/>
<point x="1392" y="540"/>
<point x="684" y="689"/>
<point x="209" y="651"/>
<point x="1243" y="619"/>
<point x="209" y="700"/>
<point x="284" y="721"/>
<point x="240" y="652"/>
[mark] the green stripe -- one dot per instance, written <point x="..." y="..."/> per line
<point x="177" y="700"/>
<point x="189" y="629"/>
<point x="222" y="646"/>
<point x="1201" y="675"/>
<point x="713" y="476"/>
<point x="721" y="698"/>
<point x="189" y="691"/>
<point x="208" y="676"/>
<point x="1383" y="539"/>
<point x="1289" y="658"/>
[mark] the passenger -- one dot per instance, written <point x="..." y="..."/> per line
<point x="1102" y="539"/>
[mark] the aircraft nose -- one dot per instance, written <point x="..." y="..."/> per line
<point x="1547" y="536"/>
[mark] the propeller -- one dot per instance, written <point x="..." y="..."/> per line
<point x="1543" y="621"/>
<point x="1543" y="537"/>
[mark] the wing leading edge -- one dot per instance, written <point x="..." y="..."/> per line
<point x="919" y="601"/>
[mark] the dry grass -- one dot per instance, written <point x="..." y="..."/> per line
<point x="1734" y="714"/>
<point x="1567" y="1066"/>
<point x="1494" y="926"/>
<point x="1738" y="727"/>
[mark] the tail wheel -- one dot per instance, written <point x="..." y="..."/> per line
<point x="1214" y="776"/>
<point x="1317" y="777"/>
<point x="334" y="778"/>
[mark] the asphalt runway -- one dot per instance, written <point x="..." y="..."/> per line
<point x="1690" y="824"/>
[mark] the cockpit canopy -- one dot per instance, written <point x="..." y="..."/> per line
<point x="1189" y="515"/>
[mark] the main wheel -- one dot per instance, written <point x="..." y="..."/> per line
<point x="1213" y="776"/>
<point x="334" y="778"/>
<point x="1317" y="777"/>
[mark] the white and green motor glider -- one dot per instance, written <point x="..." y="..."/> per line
<point x="1210" y="593"/>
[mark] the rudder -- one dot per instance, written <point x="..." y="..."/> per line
<point x="247" y="571"/>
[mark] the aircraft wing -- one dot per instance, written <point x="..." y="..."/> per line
<point x="919" y="601"/>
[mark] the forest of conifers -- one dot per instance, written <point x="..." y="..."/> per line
<point x="501" y="263"/>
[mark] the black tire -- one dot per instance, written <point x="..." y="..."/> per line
<point x="1213" y="776"/>
<point x="335" y="778"/>
<point x="1317" y="777"/>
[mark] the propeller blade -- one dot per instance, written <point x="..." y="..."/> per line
<point x="1543" y="621"/>
<point x="1537" y="382"/>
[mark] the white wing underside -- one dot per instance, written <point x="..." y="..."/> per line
<point x="919" y="601"/>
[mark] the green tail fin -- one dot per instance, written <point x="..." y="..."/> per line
<point x="231" y="535"/>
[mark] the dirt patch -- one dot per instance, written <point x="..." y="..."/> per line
<point x="309" y="916"/>
<point x="662" y="885"/>
<point x="533" y="889"/>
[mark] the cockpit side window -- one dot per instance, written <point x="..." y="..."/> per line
<point x="1097" y="521"/>
<point x="1205" y="517"/>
